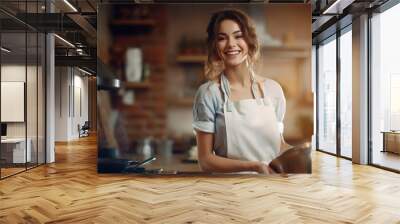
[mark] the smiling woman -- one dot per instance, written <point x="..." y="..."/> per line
<point x="238" y="127"/>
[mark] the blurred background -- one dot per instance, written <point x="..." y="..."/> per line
<point x="151" y="62"/>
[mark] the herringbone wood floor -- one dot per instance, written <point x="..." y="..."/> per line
<point x="70" y="191"/>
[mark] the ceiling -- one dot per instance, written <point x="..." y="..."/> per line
<point x="79" y="27"/>
<point x="328" y="16"/>
<point x="39" y="6"/>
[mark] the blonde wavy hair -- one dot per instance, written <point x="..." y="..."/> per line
<point x="214" y="65"/>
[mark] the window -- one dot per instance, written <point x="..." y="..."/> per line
<point x="346" y="93"/>
<point x="385" y="88"/>
<point x="333" y="137"/>
<point x="327" y="96"/>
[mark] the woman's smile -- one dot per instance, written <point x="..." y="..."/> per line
<point x="232" y="54"/>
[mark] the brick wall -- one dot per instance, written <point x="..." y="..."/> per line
<point x="147" y="117"/>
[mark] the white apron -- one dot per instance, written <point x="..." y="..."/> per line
<point x="251" y="126"/>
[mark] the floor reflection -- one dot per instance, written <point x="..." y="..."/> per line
<point x="387" y="159"/>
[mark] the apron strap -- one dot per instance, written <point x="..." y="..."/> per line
<point x="226" y="91"/>
<point x="254" y="89"/>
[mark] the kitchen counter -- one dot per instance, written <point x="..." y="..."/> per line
<point x="169" y="165"/>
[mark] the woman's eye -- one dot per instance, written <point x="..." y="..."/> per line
<point x="238" y="37"/>
<point x="220" y="38"/>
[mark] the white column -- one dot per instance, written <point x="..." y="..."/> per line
<point x="360" y="90"/>
<point x="314" y="92"/>
<point x="50" y="93"/>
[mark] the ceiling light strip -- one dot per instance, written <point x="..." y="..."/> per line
<point x="5" y="49"/>
<point x="337" y="7"/>
<point x="64" y="40"/>
<point x="331" y="7"/>
<point x="84" y="71"/>
<point x="70" y="5"/>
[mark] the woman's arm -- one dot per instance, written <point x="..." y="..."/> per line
<point x="213" y="163"/>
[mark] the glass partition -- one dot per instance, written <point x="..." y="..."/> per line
<point x="22" y="89"/>
<point x="13" y="105"/>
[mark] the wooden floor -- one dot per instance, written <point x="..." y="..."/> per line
<point x="71" y="191"/>
<point x="10" y="171"/>
<point x="5" y="172"/>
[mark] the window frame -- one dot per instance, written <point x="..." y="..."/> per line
<point x="333" y="37"/>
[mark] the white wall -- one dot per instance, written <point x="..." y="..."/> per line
<point x="16" y="73"/>
<point x="33" y="127"/>
<point x="61" y="103"/>
<point x="12" y="73"/>
<point x="71" y="94"/>
<point x="80" y="97"/>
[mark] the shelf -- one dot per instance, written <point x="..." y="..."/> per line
<point x="200" y="59"/>
<point x="137" y="85"/>
<point x="286" y="48"/>
<point x="183" y="102"/>
<point x="287" y="51"/>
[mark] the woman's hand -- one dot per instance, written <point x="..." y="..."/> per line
<point x="264" y="169"/>
<point x="211" y="163"/>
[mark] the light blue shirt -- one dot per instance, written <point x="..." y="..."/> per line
<point x="208" y="110"/>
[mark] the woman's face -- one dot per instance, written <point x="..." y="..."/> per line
<point x="232" y="47"/>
